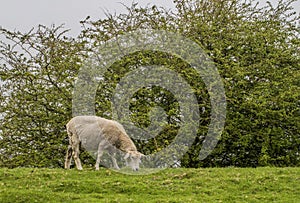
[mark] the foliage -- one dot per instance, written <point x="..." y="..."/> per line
<point x="38" y="74"/>
<point x="171" y="185"/>
<point x="256" y="51"/>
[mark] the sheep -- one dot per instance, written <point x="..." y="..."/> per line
<point x="97" y="134"/>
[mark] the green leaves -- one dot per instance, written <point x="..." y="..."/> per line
<point x="37" y="103"/>
<point x="253" y="50"/>
<point x="256" y="51"/>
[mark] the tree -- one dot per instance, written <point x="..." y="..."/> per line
<point x="38" y="72"/>
<point x="256" y="51"/>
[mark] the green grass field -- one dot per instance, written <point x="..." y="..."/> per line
<point x="170" y="185"/>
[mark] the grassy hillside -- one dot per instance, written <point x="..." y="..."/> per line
<point x="171" y="185"/>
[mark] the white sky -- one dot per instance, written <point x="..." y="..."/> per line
<point x="25" y="14"/>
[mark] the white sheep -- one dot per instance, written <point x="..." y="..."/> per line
<point x="99" y="134"/>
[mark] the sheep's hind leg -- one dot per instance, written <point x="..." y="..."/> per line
<point x="68" y="157"/>
<point x="76" y="156"/>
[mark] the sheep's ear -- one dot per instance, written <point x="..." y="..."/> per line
<point x="126" y="156"/>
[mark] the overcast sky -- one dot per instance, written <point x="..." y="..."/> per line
<point x="25" y="14"/>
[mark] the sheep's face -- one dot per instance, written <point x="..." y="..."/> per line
<point x="133" y="159"/>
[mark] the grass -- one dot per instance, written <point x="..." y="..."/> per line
<point x="170" y="185"/>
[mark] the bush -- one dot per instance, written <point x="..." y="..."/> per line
<point x="256" y="51"/>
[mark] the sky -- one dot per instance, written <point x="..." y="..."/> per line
<point x="25" y="14"/>
<point x="22" y="15"/>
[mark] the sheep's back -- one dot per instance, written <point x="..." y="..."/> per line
<point x="91" y="130"/>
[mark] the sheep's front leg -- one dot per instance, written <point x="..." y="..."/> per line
<point x="101" y="147"/>
<point x="115" y="162"/>
<point x="112" y="154"/>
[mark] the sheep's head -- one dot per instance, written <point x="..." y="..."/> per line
<point x="133" y="159"/>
